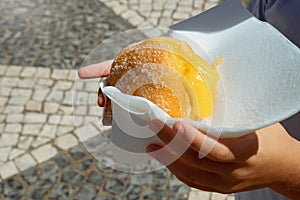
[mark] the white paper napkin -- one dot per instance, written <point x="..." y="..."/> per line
<point x="259" y="79"/>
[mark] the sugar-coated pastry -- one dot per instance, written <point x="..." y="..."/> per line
<point x="167" y="72"/>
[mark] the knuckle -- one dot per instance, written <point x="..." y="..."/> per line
<point x="223" y="155"/>
<point x="239" y="174"/>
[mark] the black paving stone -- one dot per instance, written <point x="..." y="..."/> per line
<point x="84" y="165"/>
<point x="48" y="169"/>
<point x="77" y="153"/>
<point x="87" y="192"/>
<point x="153" y="194"/>
<point x="57" y="34"/>
<point x="104" y="197"/>
<point x="37" y="193"/>
<point x="72" y="177"/>
<point x="62" y="160"/>
<point x="51" y="180"/>
<point x="141" y="179"/>
<point x="13" y="189"/>
<point x="62" y="191"/>
<point x="96" y="178"/>
<point x="133" y="192"/>
<point x="30" y="176"/>
<point x="48" y="182"/>
<point x="114" y="186"/>
<point x="121" y="175"/>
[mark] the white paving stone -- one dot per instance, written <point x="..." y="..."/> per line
<point x="24" y="92"/>
<point x="58" y="74"/>
<point x="32" y="129"/>
<point x="63" y="85"/>
<point x="198" y="4"/>
<point x="55" y="96"/>
<point x="119" y="9"/>
<point x="180" y="15"/>
<point x="66" y="110"/>
<point x="198" y="195"/>
<point x="127" y="14"/>
<point x="25" y="142"/>
<point x="39" y="141"/>
<point x="136" y="20"/>
<point x="43" y="72"/>
<point x="4" y="153"/>
<point x="67" y="120"/>
<point x="26" y="83"/>
<point x="80" y="110"/>
<point x="209" y="5"/>
<point x="2" y="70"/>
<point x="3" y="101"/>
<point x="68" y="99"/>
<point x="66" y="141"/>
<point x="78" y="120"/>
<point x="40" y="94"/>
<point x="49" y="131"/>
<point x="8" y="139"/>
<point x="54" y="119"/>
<point x="91" y="86"/>
<point x="51" y="107"/>
<point x="170" y="4"/>
<point x="218" y="196"/>
<point x="87" y="131"/>
<point x="18" y="100"/>
<point x="5" y="90"/>
<point x="13" y="71"/>
<point x="10" y="81"/>
<point x="13" y="109"/>
<point x="230" y="197"/>
<point x="43" y="82"/>
<point x="34" y="106"/>
<point x="64" y="130"/>
<point x="15" y="153"/>
<point x="44" y="153"/>
<point x="2" y="117"/>
<point x="2" y="125"/>
<point x="94" y="111"/>
<point x="73" y="75"/>
<point x="13" y="128"/>
<point x="89" y="119"/>
<point x="25" y="161"/>
<point x="32" y="117"/>
<point x="8" y="169"/>
<point x="28" y="72"/>
<point x="80" y="98"/>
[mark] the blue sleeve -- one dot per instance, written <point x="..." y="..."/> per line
<point x="282" y="14"/>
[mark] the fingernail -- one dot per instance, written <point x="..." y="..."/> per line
<point x="201" y="155"/>
<point x="101" y="100"/>
<point x="153" y="147"/>
<point x="179" y="129"/>
<point x="155" y="126"/>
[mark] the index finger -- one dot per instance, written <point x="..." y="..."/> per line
<point x="96" y="70"/>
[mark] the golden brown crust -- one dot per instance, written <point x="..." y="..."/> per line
<point x="145" y="69"/>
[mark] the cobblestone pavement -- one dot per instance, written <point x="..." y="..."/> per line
<point x="73" y="174"/>
<point x="54" y="33"/>
<point x="40" y="152"/>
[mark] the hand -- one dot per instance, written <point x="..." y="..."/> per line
<point x="259" y="159"/>
<point x="98" y="70"/>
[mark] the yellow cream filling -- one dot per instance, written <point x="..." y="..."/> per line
<point x="199" y="77"/>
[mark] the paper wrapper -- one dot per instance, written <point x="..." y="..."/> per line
<point x="259" y="78"/>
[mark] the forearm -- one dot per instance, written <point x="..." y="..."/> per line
<point x="289" y="185"/>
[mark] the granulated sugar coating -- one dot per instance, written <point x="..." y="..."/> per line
<point x="164" y="71"/>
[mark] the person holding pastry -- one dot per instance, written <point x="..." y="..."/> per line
<point x="261" y="165"/>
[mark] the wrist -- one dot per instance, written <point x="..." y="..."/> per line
<point x="288" y="183"/>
